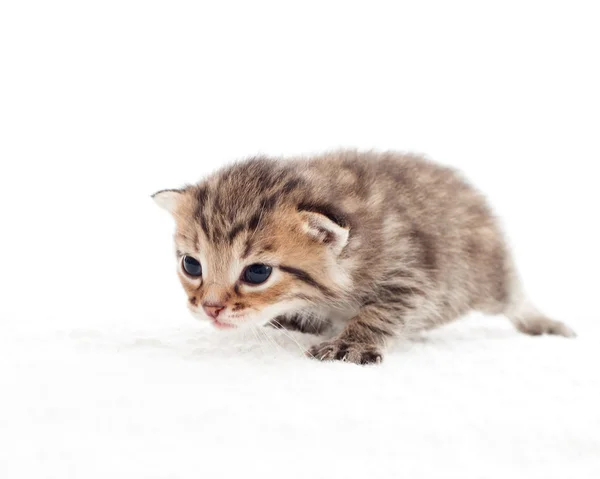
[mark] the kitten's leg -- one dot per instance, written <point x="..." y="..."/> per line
<point x="362" y="340"/>
<point x="527" y="319"/>
<point x="524" y="315"/>
<point x="303" y="322"/>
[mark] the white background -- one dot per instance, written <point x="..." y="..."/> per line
<point x="102" y="103"/>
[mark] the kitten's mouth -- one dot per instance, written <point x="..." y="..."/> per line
<point x="218" y="324"/>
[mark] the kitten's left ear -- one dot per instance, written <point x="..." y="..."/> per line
<point x="167" y="199"/>
<point x="325" y="230"/>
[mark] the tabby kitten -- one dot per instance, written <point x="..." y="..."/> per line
<point x="377" y="244"/>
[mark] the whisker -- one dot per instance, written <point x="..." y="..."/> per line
<point x="258" y="339"/>
<point x="269" y="339"/>
<point x="289" y="336"/>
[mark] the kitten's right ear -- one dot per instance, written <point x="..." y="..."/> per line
<point x="168" y="199"/>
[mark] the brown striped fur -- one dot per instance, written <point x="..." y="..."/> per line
<point x="382" y="243"/>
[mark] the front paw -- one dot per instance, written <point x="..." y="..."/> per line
<point x="352" y="352"/>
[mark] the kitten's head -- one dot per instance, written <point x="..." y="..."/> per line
<point x="252" y="244"/>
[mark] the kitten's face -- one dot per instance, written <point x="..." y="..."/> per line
<point x="265" y="259"/>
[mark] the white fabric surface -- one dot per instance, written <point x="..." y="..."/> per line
<point x="471" y="400"/>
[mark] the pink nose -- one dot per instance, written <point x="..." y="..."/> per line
<point x="213" y="310"/>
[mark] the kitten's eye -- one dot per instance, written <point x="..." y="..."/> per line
<point x="256" y="273"/>
<point x="192" y="266"/>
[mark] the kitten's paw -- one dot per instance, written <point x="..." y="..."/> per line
<point x="541" y="325"/>
<point x="339" y="350"/>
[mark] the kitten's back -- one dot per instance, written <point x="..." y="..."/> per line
<point x="420" y="225"/>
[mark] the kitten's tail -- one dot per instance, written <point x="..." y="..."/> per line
<point x="528" y="319"/>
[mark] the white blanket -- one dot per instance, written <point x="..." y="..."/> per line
<point x="472" y="400"/>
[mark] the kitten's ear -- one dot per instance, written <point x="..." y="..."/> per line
<point x="167" y="199"/>
<point x="325" y="230"/>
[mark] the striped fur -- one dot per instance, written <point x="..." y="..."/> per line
<point x="381" y="243"/>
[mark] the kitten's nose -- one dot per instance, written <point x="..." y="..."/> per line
<point x="213" y="309"/>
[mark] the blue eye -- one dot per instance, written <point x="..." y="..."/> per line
<point x="256" y="273"/>
<point x="192" y="266"/>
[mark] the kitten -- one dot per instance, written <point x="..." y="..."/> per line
<point x="379" y="244"/>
